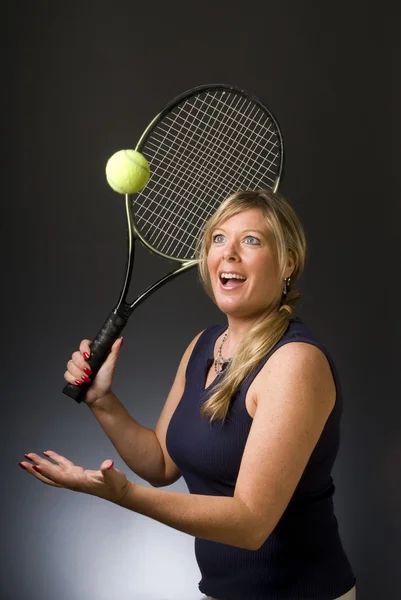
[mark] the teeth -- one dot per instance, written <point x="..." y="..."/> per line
<point x="232" y="276"/>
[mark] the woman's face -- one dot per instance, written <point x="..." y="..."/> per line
<point x="244" y="249"/>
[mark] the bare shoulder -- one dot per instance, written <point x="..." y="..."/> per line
<point x="296" y="393"/>
<point x="300" y="365"/>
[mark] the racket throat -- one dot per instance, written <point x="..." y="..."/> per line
<point x="158" y="284"/>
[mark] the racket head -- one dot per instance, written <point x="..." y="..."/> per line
<point x="206" y="144"/>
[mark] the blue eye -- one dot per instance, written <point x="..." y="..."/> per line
<point x="250" y="239"/>
<point x="218" y="238"/>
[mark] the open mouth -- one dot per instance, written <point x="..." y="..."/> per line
<point x="232" y="280"/>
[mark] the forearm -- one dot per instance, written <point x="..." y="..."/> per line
<point x="137" y="445"/>
<point x="216" y="518"/>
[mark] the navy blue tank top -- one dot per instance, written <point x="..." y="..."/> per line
<point x="303" y="557"/>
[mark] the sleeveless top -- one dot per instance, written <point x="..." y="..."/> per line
<point x="303" y="557"/>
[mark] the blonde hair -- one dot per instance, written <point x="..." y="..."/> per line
<point x="264" y="335"/>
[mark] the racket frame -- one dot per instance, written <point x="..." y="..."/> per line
<point x="119" y="316"/>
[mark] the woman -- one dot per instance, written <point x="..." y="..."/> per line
<point x="251" y="423"/>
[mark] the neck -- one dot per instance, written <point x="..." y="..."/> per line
<point x="238" y="329"/>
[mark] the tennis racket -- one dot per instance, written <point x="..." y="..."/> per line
<point x="206" y="144"/>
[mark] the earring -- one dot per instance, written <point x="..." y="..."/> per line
<point x="286" y="288"/>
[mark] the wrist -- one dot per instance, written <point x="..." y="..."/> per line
<point x="104" y="402"/>
<point x="126" y="497"/>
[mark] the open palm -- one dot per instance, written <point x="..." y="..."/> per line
<point x="108" y="483"/>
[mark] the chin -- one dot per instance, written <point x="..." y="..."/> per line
<point x="235" y="310"/>
<point x="241" y="310"/>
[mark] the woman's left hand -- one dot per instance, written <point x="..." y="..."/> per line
<point x="108" y="483"/>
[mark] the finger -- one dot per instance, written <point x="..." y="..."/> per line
<point x="58" y="459"/>
<point x="72" y="379"/>
<point x="79" y="361"/>
<point x="106" y="465"/>
<point x="116" y="347"/>
<point x="78" y="369"/>
<point x="84" y="348"/>
<point x="52" y="474"/>
<point x="114" y="354"/>
<point x="36" y="458"/>
<point x="30" y="468"/>
<point x="75" y="371"/>
<point x="115" y="479"/>
<point x="76" y="380"/>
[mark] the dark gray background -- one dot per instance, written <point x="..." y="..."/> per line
<point x="83" y="80"/>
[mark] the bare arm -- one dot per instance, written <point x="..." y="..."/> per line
<point x="144" y="450"/>
<point x="137" y="445"/>
<point x="221" y="519"/>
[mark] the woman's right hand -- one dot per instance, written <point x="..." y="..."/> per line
<point x="78" y="371"/>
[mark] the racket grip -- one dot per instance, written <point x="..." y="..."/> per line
<point x="100" y="349"/>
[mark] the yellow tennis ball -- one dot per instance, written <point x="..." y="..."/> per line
<point x="127" y="171"/>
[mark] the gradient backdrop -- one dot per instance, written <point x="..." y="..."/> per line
<point x="83" y="80"/>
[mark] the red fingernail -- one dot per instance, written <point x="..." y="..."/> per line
<point x="85" y="378"/>
<point x="27" y="457"/>
<point x="22" y="466"/>
<point x="86" y="355"/>
<point x="88" y="371"/>
<point x="122" y="339"/>
<point x="36" y="468"/>
<point x="78" y="382"/>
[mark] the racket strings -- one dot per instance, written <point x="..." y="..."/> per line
<point x="192" y="174"/>
<point x="187" y="167"/>
<point x="220" y="153"/>
<point x="216" y="131"/>
<point x="246" y="166"/>
<point x="203" y="211"/>
<point x="229" y="153"/>
<point x="236" y="117"/>
<point x="211" y="157"/>
<point x="191" y="146"/>
<point x="209" y="146"/>
<point x="234" y="134"/>
<point x="193" y="165"/>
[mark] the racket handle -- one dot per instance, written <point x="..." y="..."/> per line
<point x="100" y="349"/>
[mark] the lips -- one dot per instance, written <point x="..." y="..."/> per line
<point x="231" y="279"/>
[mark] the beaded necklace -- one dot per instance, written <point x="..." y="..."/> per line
<point x="219" y="361"/>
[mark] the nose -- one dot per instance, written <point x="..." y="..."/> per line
<point x="230" y="253"/>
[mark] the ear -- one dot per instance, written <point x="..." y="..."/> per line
<point x="290" y="264"/>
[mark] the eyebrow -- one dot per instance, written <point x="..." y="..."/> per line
<point x="243" y="230"/>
